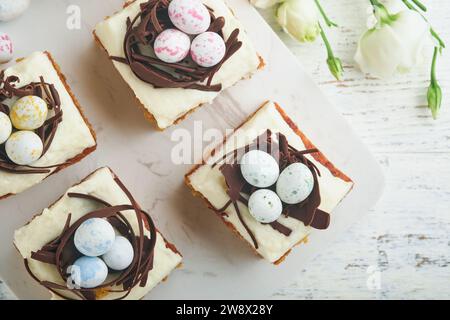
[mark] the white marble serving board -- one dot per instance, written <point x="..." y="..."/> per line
<point x="216" y="263"/>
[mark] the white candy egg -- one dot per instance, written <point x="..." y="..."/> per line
<point x="259" y="168"/>
<point x="120" y="256"/>
<point x="5" y="127"/>
<point x="172" y="46"/>
<point x="208" y="49"/>
<point x="88" y="272"/>
<point x="190" y="16"/>
<point x="24" y="147"/>
<point x="6" y="48"/>
<point x="29" y="113"/>
<point x="94" y="237"/>
<point x="11" y="9"/>
<point x="295" y="184"/>
<point x="265" y="206"/>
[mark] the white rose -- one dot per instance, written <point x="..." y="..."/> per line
<point x="299" y="19"/>
<point x="396" y="44"/>
<point x="264" y="4"/>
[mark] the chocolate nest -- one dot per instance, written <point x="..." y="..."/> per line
<point x="239" y="190"/>
<point x="44" y="90"/>
<point x="62" y="253"/>
<point x="142" y="32"/>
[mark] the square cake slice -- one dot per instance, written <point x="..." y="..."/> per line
<point x="67" y="137"/>
<point x="169" y="101"/>
<point x="221" y="182"/>
<point x="100" y="195"/>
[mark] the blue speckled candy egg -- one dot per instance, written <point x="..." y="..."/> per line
<point x="259" y="168"/>
<point x="89" y="272"/>
<point x="121" y="254"/>
<point x="295" y="183"/>
<point x="265" y="206"/>
<point x="94" y="237"/>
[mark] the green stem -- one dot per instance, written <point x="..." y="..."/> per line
<point x="324" y="15"/>
<point x="420" y="5"/>
<point x="432" y="31"/>
<point x="438" y="39"/>
<point x="334" y="63"/>
<point x="326" y="42"/>
<point x="433" y="66"/>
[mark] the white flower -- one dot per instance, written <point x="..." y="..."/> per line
<point x="299" y="19"/>
<point x="395" y="44"/>
<point x="264" y="4"/>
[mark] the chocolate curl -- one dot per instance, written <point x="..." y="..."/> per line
<point x="142" y="31"/>
<point x="62" y="253"/>
<point x="285" y="154"/>
<point x="46" y="132"/>
<point x="217" y="24"/>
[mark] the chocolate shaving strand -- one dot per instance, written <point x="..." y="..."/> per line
<point x="306" y="211"/>
<point x="216" y="24"/>
<point x="153" y="20"/>
<point x="241" y="219"/>
<point x="136" y="274"/>
<point x="46" y="132"/>
<point x="281" y="228"/>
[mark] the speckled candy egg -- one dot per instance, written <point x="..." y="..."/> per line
<point x="295" y="184"/>
<point x="11" y="9"/>
<point x="6" y="48"/>
<point x="24" y="147"/>
<point x="29" y="113"/>
<point x="89" y="272"/>
<point x="5" y="127"/>
<point x="190" y="16"/>
<point x="94" y="237"/>
<point x="259" y="168"/>
<point x="208" y="49"/>
<point x="265" y="206"/>
<point x="172" y="46"/>
<point x="121" y="254"/>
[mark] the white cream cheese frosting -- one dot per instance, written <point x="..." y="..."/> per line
<point x="169" y="104"/>
<point x="210" y="183"/>
<point x="72" y="137"/>
<point x="49" y="225"/>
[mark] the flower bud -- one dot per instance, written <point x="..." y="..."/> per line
<point x="335" y="66"/>
<point x="299" y="19"/>
<point x="434" y="97"/>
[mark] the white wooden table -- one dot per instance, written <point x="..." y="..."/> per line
<point x="402" y="248"/>
<point x="405" y="241"/>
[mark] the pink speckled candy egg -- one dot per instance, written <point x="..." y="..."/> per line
<point x="6" y="48"/>
<point x="190" y="16"/>
<point x="172" y="45"/>
<point x="208" y="49"/>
